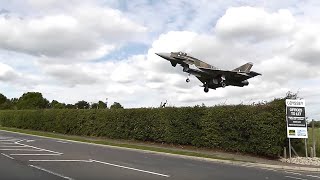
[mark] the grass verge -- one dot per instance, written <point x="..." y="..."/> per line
<point x="317" y="140"/>
<point x="117" y="144"/>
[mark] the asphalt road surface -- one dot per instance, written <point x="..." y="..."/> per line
<point x="30" y="157"/>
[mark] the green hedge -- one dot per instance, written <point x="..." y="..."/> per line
<point x="255" y="129"/>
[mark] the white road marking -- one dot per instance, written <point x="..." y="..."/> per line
<point x="50" y="172"/>
<point x="5" y="140"/>
<point x="7" y="156"/>
<point x="269" y="169"/>
<point x="20" y="150"/>
<point x="134" y="169"/>
<point x="60" y="160"/>
<point x="30" y="140"/>
<point x="64" y="142"/>
<point x="295" y="177"/>
<point x="19" y="141"/>
<point x="313" y="176"/>
<point x="293" y="173"/>
<point x="35" y="154"/>
<point x="39" y="148"/>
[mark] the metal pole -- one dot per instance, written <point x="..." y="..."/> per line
<point x="289" y="148"/>
<point x="313" y="140"/>
<point x="306" y="147"/>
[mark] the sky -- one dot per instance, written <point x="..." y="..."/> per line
<point x="105" y="50"/>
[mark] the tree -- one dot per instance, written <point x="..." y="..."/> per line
<point x="102" y="105"/>
<point x="116" y="105"/>
<point x="71" y="106"/>
<point x="94" y="106"/>
<point x="316" y="124"/>
<point x="5" y="102"/>
<point x="32" y="100"/>
<point x="14" y="102"/>
<point x="56" y="105"/>
<point x="3" y="98"/>
<point x="82" y="105"/>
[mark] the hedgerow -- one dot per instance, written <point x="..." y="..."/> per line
<point x="256" y="129"/>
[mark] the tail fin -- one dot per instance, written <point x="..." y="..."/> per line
<point x="244" y="68"/>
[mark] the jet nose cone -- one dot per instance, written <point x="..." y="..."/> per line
<point x="164" y="55"/>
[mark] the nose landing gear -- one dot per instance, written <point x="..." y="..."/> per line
<point x="188" y="80"/>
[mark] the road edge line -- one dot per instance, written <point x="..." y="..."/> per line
<point x="239" y="163"/>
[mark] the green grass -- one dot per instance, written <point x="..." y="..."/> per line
<point x="317" y="138"/>
<point x="118" y="144"/>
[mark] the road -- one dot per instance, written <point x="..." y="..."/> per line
<point x="30" y="157"/>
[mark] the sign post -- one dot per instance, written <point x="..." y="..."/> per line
<point x="296" y="120"/>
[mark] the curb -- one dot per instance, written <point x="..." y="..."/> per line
<point x="237" y="163"/>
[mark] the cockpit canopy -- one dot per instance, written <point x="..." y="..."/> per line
<point x="178" y="54"/>
<point x="182" y="53"/>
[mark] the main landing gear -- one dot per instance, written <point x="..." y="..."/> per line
<point x="223" y="84"/>
<point x="206" y="87"/>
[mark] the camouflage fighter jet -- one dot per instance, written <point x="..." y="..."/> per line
<point x="209" y="75"/>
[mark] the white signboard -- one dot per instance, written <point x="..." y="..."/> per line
<point x="296" y="119"/>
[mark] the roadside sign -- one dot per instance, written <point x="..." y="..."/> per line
<point x="296" y="119"/>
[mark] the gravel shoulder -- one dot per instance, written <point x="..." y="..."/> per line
<point x="315" y="161"/>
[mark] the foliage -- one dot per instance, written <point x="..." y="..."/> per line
<point x="116" y="105"/>
<point x="4" y="102"/>
<point x="56" y="105"/>
<point x="316" y="132"/>
<point x="82" y="105"/>
<point x="71" y="106"/>
<point x="258" y="129"/>
<point x="32" y="100"/>
<point x="102" y="105"/>
<point x="99" y="105"/>
<point x="316" y="124"/>
<point x="3" y="98"/>
<point x="94" y="106"/>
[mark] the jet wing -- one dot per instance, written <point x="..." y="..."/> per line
<point x="231" y="75"/>
<point x="202" y="79"/>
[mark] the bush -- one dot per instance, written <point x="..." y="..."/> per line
<point x="257" y="129"/>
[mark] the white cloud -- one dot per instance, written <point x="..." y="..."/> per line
<point x="85" y="33"/>
<point x="306" y="44"/>
<point x="7" y="73"/>
<point x="254" y="23"/>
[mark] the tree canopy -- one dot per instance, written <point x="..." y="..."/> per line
<point x="116" y="105"/>
<point x="82" y="105"/>
<point x="3" y="98"/>
<point x="57" y="105"/>
<point x="32" y="100"/>
<point x="5" y="102"/>
<point x="35" y="100"/>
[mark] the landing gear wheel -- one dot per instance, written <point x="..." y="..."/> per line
<point x="223" y="84"/>
<point x="206" y="89"/>
<point x="187" y="80"/>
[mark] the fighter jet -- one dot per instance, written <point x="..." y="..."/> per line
<point x="211" y="76"/>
